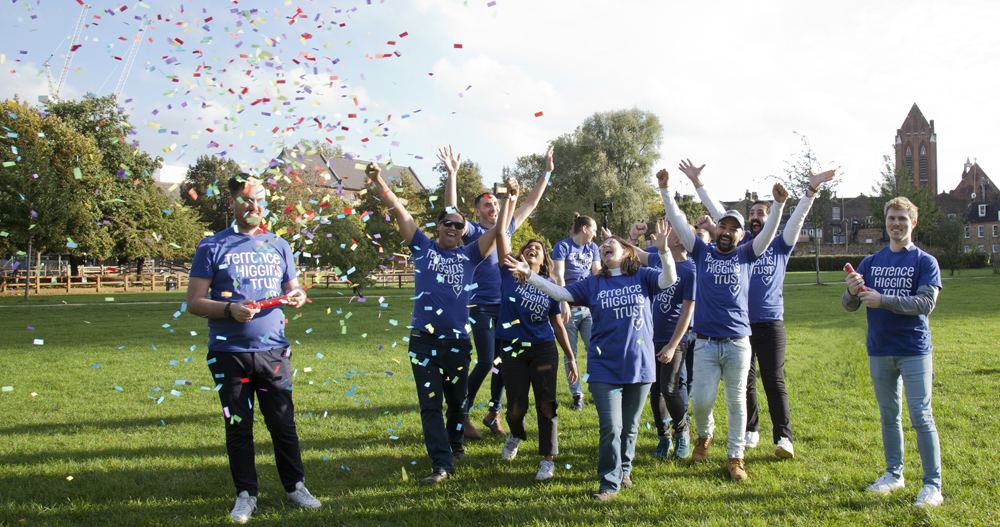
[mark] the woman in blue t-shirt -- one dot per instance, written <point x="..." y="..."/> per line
<point x="574" y="259"/>
<point x="620" y="360"/>
<point x="440" y="349"/>
<point x="527" y="329"/>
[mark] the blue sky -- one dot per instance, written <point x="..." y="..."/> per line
<point x="730" y="81"/>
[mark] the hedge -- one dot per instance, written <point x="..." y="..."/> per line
<point x="826" y="263"/>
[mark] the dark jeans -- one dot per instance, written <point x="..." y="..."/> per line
<point x="267" y="374"/>
<point x="538" y="366"/>
<point x="429" y="357"/>
<point x="484" y="334"/>
<point x="669" y="393"/>
<point x="767" y="343"/>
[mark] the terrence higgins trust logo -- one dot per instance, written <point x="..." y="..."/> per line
<point x="450" y="271"/>
<point x="724" y="272"/>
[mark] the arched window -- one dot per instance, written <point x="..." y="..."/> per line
<point x="909" y="158"/>
<point x="923" y="163"/>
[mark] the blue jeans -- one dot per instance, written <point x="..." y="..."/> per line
<point x="440" y="370"/>
<point x="729" y="362"/>
<point x="579" y="324"/>
<point x="618" y="409"/>
<point x="484" y="335"/>
<point x="889" y="377"/>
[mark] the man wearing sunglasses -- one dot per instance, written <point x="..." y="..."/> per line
<point x="485" y="299"/>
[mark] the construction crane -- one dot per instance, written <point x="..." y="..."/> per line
<point x="132" y="52"/>
<point x="55" y="89"/>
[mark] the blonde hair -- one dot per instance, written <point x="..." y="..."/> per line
<point x="902" y="203"/>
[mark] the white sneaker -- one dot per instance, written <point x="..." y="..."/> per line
<point x="886" y="484"/>
<point x="750" y="439"/>
<point x="301" y="496"/>
<point x="547" y="470"/>
<point x="784" y="449"/>
<point x="510" y="448"/>
<point x="245" y="505"/>
<point x="929" y="496"/>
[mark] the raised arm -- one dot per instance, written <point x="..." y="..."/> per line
<point x="521" y="268"/>
<point x="451" y="165"/>
<point x="533" y="197"/>
<point x="770" y="227"/>
<point x="407" y="227"/>
<point x="503" y="218"/>
<point x="798" y="217"/>
<point x="668" y="270"/>
<point x="715" y="208"/>
<point x="674" y="214"/>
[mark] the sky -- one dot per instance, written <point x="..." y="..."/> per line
<point x="736" y="85"/>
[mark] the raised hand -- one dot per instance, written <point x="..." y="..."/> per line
<point x="374" y="172"/>
<point x="779" y="192"/>
<point x="639" y="229"/>
<point x="662" y="178"/>
<point x="520" y="267"/>
<point x="605" y="233"/>
<point x="448" y="158"/>
<point x="692" y="172"/>
<point x="815" y="180"/>
<point x="705" y="222"/>
<point x="549" y="165"/>
<point x="513" y="187"/>
<point x="660" y="238"/>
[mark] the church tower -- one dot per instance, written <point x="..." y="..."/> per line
<point x="916" y="149"/>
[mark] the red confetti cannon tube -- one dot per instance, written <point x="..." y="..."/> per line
<point x="848" y="268"/>
<point x="271" y="302"/>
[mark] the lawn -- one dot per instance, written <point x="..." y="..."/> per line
<point x="92" y="433"/>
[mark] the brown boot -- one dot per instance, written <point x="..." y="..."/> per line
<point x="469" y="430"/>
<point x="701" y="449"/>
<point x="736" y="470"/>
<point x="493" y="422"/>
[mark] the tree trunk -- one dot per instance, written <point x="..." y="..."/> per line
<point x="27" y="276"/>
<point x="817" y="260"/>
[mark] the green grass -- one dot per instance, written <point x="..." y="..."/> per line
<point x="134" y="461"/>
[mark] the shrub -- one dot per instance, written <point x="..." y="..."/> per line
<point x="975" y="259"/>
<point x="826" y="263"/>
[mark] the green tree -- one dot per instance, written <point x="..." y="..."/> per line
<point x="208" y="178"/>
<point x="468" y="183"/>
<point x="342" y="243"/>
<point x="948" y="241"/>
<point x="898" y="181"/>
<point x="382" y="232"/>
<point x="47" y="185"/>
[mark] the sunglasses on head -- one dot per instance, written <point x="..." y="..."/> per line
<point x="451" y="223"/>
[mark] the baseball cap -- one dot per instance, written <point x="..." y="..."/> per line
<point x="734" y="215"/>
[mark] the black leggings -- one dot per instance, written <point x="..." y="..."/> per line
<point x="536" y="366"/>
<point x="669" y="393"/>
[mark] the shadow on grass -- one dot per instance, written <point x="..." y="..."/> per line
<point x="78" y="427"/>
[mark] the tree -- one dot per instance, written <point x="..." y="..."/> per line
<point x="47" y="185"/>
<point x="948" y="237"/>
<point x="208" y="179"/>
<point x="609" y="157"/>
<point x="342" y="243"/>
<point x="796" y="180"/>
<point x="897" y="182"/>
<point x="383" y="232"/>
<point x="468" y="183"/>
<point x="692" y="208"/>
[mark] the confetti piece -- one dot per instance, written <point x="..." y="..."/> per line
<point x="39" y="342"/>
<point x="7" y="389"/>
<point x="69" y="478"/>
<point x="458" y="46"/>
<point x="538" y="114"/>
<point x="119" y="388"/>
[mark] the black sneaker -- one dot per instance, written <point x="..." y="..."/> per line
<point x="458" y="455"/>
<point x="577" y="402"/>
<point x="436" y="477"/>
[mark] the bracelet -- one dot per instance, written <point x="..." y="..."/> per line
<point x="815" y="190"/>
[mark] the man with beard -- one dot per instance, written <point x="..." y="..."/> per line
<point x="485" y="298"/>
<point x="767" y="338"/>
<point x="721" y="318"/>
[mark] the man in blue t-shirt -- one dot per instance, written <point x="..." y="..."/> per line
<point x="899" y="286"/>
<point x="485" y="301"/>
<point x="721" y="318"/>
<point x="767" y="306"/>
<point x="248" y="354"/>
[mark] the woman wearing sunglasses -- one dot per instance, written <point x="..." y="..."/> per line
<point x="621" y="360"/>
<point x="440" y="349"/>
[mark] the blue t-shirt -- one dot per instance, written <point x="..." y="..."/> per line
<point x="524" y="311"/>
<point x="767" y="301"/>
<point x="578" y="258"/>
<point x="443" y="280"/>
<point x="242" y="267"/>
<point x="668" y="303"/>
<point x="720" y="309"/>
<point x="487" y="275"/>
<point x="899" y="274"/>
<point x="621" y="339"/>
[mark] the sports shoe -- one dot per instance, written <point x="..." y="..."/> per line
<point x="547" y="470"/>
<point x="436" y="477"/>
<point x="469" y="430"/>
<point x="887" y="483"/>
<point x="736" y="470"/>
<point x="627" y="481"/>
<point x="301" y="496"/>
<point x="603" y="495"/>
<point x="663" y="448"/>
<point x="245" y="505"/>
<point x="750" y="439"/>
<point x="682" y="446"/>
<point x="929" y="496"/>
<point x="784" y="449"/>
<point x="701" y="449"/>
<point x="509" y="451"/>
<point x="577" y="402"/>
<point x="493" y="422"/>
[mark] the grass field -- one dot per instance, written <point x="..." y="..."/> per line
<point x="76" y="450"/>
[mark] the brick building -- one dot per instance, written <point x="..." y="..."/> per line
<point x="983" y="227"/>
<point x="916" y="149"/>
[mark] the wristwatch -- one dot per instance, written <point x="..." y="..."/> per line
<point x="228" y="313"/>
